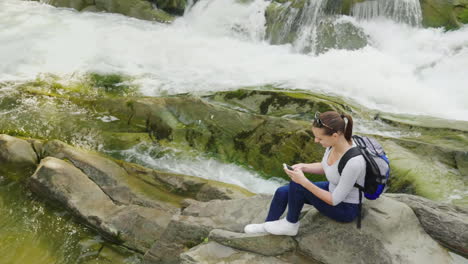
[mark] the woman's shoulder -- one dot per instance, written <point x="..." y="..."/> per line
<point x="356" y="161"/>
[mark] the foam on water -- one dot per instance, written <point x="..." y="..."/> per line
<point x="156" y="157"/>
<point x="218" y="45"/>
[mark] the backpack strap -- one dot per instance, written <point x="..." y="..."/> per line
<point x="360" y="205"/>
<point x="351" y="153"/>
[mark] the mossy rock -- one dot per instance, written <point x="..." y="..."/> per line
<point x="141" y="9"/>
<point x="176" y="7"/>
<point x="461" y="11"/>
<point x="427" y="171"/>
<point x="267" y="101"/>
<point x="438" y="13"/>
<point x="17" y="157"/>
<point x="339" y="35"/>
<point x="75" y="4"/>
<point x="256" y="127"/>
<point x="285" y="22"/>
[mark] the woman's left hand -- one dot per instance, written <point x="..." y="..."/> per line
<point x="296" y="175"/>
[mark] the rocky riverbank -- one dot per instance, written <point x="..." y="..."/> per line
<point x="191" y="218"/>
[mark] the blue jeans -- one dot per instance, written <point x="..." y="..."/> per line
<point x="295" y="195"/>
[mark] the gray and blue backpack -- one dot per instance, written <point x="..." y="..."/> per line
<point x="377" y="168"/>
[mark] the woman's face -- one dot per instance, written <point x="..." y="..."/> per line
<point x="324" y="140"/>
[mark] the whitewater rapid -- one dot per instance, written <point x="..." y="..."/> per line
<point x="220" y="45"/>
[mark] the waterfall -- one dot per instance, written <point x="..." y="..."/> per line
<point x="218" y="46"/>
<point x="307" y="34"/>
<point x="189" y="6"/>
<point x="291" y="18"/>
<point x="401" y="11"/>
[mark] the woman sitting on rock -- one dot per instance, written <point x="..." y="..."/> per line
<point x="336" y="198"/>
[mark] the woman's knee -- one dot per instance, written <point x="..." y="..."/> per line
<point x="282" y="191"/>
<point x="295" y="186"/>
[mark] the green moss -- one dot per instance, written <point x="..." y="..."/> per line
<point x="438" y="14"/>
<point x="461" y="13"/>
<point x="114" y="84"/>
<point x="237" y="94"/>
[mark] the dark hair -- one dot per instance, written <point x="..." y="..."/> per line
<point x="333" y="122"/>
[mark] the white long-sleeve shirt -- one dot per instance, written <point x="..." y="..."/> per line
<point x="342" y="187"/>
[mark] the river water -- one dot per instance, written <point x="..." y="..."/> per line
<point x="220" y="45"/>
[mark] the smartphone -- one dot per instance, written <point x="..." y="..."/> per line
<point x="287" y="166"/>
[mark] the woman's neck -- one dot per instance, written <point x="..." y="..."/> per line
<point x="342" y="145"/>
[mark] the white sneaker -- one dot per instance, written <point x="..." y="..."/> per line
<point x="281" y="227"/>
<point x="254" y="228"/>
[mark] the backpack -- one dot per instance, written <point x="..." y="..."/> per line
<point x="377" y="168"/>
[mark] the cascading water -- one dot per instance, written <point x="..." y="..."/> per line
<point x="402" y="11"/>
<point x="300" y="20"/>
<point x="218" y="46"/>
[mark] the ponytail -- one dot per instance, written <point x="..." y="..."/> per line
<point x="348" y="133"/>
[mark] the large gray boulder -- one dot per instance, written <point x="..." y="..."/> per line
<point x="214" y="253"/>
<point x="107" y="174"/>
<point x="199" y="218"/>
<point x="390" y="233"/>
<point x="448" y="224"/>
<point x="128" y="183"/>
<point x="17" y="157"/>
<point x="263" y="244"/>
<point x="135" y="227"/>
<point x="232" y="215"/>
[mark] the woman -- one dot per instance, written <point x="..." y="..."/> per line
<point x="336" y="198"/>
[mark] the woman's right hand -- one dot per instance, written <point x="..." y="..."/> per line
<point x="299" y="166"/>
<point x="314" y="168"/>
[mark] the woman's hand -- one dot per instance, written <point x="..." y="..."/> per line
<point x="296" y="175"/>
<point x="299" y="166"/>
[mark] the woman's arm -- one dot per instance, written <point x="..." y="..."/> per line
<point x="314" y="168"/>
<point x="322" y="194"/>
<point x="298" y="177"/>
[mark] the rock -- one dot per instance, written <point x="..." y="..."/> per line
<point x="340" y="34"/>
<point x="213" y="253"/>
<point x="60" y="181"/>
<point x="121" y="187"/>
<point x="198" y="219"/>
<point x="260" y="141"/>
<point x="104" y="172"/>
<point x="140" y="227"/>
<point x="390" y="233"/>
<point x="141" y="9"/>
<point x="75" y="4"/>
<point x="183" y="232"/>
<point x="448" y="224"/>
<point x="461" y="11"/>
<point x="263" y="244"/>
<point x="188" y="186"/>
<point x="439" y="13"/>
<point x="426" y="170"/>
<point x="232" y="215"/>
<point x="134" y="226"/>
<point x="17" y="157"/>
<point x="176" y="7"/>
<point x="312" y="26"/>
<point x="91" y="8"/>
